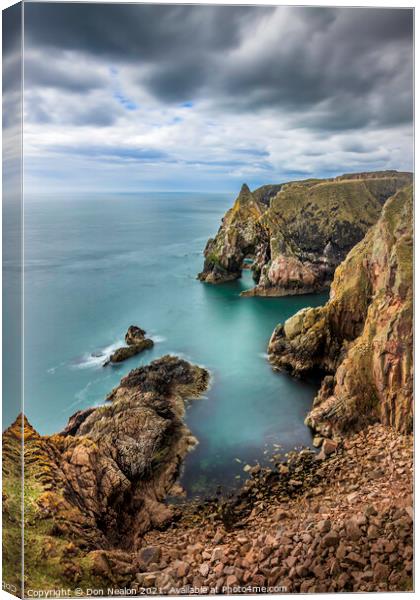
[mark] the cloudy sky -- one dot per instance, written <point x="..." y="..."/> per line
<point x="143" y="97"/>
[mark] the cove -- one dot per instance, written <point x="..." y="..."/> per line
<point x="97" y="263"/>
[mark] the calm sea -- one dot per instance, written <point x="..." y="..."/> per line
<point x="95" y="265"/>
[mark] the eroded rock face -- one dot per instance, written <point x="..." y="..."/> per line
<point x="135" y="335"/>
<point x="362" y="338"/>
<point x="136" y="341"/>
<point x="239" y="236"/>
<point x="297" y="233"/>
<point x="102" y="482"/>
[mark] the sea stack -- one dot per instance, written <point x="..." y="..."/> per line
<point x="136" y="341"/>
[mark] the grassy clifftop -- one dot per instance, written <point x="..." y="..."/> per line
<point x="298" y="232"/>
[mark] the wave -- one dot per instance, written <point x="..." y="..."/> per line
<point x="93" y="360"/>
<point x="52" y="370"/>
<point x="158" y="339"/>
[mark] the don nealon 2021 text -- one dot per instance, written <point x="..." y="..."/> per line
<point x="123" y="592"/>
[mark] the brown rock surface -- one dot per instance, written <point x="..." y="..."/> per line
<point x="362" y="338"/>
<point x="136" y="341"/>
<point x="102" y="483"/>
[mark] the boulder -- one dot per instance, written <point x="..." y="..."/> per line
<point x="135" y="335"/>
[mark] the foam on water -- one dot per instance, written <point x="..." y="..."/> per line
<point x="95" y="359"/>
<point x="102" y="263"/>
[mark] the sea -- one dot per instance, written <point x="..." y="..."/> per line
<point x="96" y="264"/>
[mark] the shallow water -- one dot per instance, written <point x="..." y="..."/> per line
<point x="97" y="264"/>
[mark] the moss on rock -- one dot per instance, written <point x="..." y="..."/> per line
<point x="363" y="335"/>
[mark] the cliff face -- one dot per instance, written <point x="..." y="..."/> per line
<point x="240" y="235"/>
<point x="362" y="338"/>
<point x="100" y="484"/>
<point x="297" y="233"/>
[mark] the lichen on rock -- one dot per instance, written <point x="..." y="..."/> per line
<point x="362" y="338"/>
<point x="297" y="233"/>
<point x="136" y="341"/>
<point x="92" y="491"/>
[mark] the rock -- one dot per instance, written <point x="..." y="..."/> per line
<point x="75" y="421"/>
<point x="357" y="336"/>
<point x="331" y="539"/>
<point x="134" y="335"/>
<point x="204" y="569"/>
<point x="380" y="572"/>
<point x="353" y="530"/>
<point x="324" y="526"/>
<point x="317" y="441"/>
<point x="289" y="256"/>
<point x="150" y="554"/>
<point x="329" y="447"/>
<point x="125" y="352"/>
<point x="231" y="581"/>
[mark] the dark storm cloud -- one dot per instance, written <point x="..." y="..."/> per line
<point x="12" y="65"/>
<point x="136" y="32"/>
<point x="327" y="68"/>
<point x="50" y="74"/>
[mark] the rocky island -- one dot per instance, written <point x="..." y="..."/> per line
<point x="297" y="233"/>
<point x="136" y="341"/>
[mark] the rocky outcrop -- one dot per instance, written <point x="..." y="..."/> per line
<point x="102" y="483"/>
<point x="135" y="335"/>
<point x="340" y="522"/>
<point x="240" y="236"/>
<point x="338" y="525"/>
<point x="136" y="341"/>
<point x="343" y="523"/>
<point x="361" y="340"/>
<point x="297" y="233"/>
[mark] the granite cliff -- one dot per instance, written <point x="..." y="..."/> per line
<point x="361" y="340"/>
<point x="296" y="234"/>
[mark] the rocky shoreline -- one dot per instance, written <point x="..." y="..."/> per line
<point x="314" y="523"/>
<point x="97" y="509"/>
<point x="334" y="525"/>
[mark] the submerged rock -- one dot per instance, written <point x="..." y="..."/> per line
<point x="297" y="233"/>
<point x="362" y="338"/>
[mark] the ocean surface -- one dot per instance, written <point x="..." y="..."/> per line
<point x="95" y="265"/>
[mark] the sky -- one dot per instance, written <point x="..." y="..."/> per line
<point x="171" y="97"/>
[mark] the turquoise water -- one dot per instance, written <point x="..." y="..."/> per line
<point x="97" y="264"/>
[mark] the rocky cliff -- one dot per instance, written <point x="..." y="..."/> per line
<point x="297" y="233"/>
<point x="361" y="340"/>
<point x="101" y="483"/>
